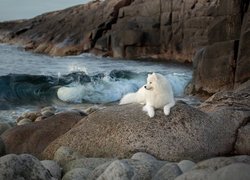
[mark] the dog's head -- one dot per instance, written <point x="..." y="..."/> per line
<point x="152" y="81"/>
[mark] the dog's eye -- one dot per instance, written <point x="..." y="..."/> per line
<point x="150" y="82"/>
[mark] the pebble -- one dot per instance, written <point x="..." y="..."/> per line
<point x="24" y="121"/>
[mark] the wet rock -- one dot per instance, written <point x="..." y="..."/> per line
<point x="4" y="127"/>
<point x="77" y="174"/>
<point x="49" y="108"/>
<point x="22" y="167"/>
<point x="64" y="154"/>
<point x="33" y="138"/>
<point x="24" y="121"/>
<point x="175" y="30"/>
<point x="186" y="165"/>
<point x="47" y="113"/>
<point x="40" y="118"/>
<point x="30" y="115"/>
<point x="88" y="163"/>
<point x="53" y="168"/>
<point x="118" y="131"/>
<point x="168" y="172"/>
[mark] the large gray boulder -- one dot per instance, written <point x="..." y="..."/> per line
<point x="119" y="131"/>
<point x="13" y="167"/>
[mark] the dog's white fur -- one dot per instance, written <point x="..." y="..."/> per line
<point x="157" y="93"/>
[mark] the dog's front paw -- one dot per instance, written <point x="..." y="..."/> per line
<point x="151" y="114"/>
<point x="145" y="109"/>
<point x="166" y="111"/>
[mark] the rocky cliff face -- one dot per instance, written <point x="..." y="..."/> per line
<point x="213" y="34"/>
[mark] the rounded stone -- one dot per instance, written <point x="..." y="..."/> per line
<point x="64" y="154"/>
<point x="239" y="171"/>
<point x="76" y="174"/>
<point x="40" y="118"/>
<point x="4" y="127"/>
<point x="24" y="121"/>
<point x="168" y="172"/>
<point x="142" y="156"/>
<point x="88" y="163"/>
<point x="30" y="115"/>
<point x="53" y="167"/>
<point x="130" y="169"/>
<point x="22" y="166"/>
<point x="47" y="113"/>
<point x="98" y="171"/>
<point x="186" y="165"/>
<point x="48" y="108"/>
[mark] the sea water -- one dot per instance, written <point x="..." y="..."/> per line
<point x="30" y="81"/>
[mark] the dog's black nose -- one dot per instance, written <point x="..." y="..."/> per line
<point x="145" y="87"/>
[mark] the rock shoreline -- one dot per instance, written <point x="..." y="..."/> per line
<point x="122" y="142"/>
<point x="213" y="35"/>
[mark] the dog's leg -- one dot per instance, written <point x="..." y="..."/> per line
<point x="149" y="109"/>
<point x="167" y="108"/>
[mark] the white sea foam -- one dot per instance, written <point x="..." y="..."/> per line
<point x="108" y="90"/>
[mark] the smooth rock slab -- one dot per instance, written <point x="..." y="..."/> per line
<point x="13" y="167"/>
<point x="120" y="131"/>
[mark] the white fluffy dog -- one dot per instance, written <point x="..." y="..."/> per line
<point x="157" y="93"/>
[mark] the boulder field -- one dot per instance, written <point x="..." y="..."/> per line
<point x="214" y="35"/>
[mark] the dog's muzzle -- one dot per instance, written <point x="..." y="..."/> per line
<point x="148" y="88"/>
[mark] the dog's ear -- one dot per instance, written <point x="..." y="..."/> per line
<point x="155" y="75"/>
<point x="150" y="74"/>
